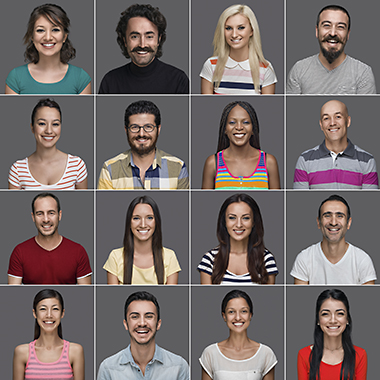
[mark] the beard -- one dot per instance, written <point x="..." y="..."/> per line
<point x="333" y="53"/>
<point x="141" y="149"/>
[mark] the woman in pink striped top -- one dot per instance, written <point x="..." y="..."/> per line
<point x="49" y="356"/>
<point x="48" y="168"/>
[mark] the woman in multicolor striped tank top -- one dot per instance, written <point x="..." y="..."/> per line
<point x="239" y="162"/>
<point x="49" y="356"/>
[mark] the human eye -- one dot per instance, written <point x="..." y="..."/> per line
<point x="324" y="314"/>
<point x="136" y="218"/>
<point x="241" y="27"/>
<point x="228" y="28"/>
<point x="232" y="122"/>
<point x="231" y="217"/>
<point x="150" y="217"/>
<point x="246" y="218"/>
<point x="41" y="123"/>
<point x="40" y="30"/>
<point x="56" y="29"/>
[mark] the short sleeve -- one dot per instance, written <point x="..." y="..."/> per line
<point x="366" y="269"/>
<point x="105" y="182"/>
<point x="301" y="267"/>
<point x="112" y="265"/>
<point x="15" y="267"/>
<point x="366" y="83"/>
<point x="183" y="178"/>
<point x="13" y="81"/>
<point x="82" y="171"/>
<point x="207" y="263"/>
<point x="207" y="71"/>
<point x="301" y="178"/>
<point x="270" y="359"/>
<point x="270" y="76"/>
<point x="170" y="262"/>
<point x="206" y="361"/>
<point x="13" y="177"/>
<point x="370" y="177"/>
<point x="293" y="86"/>
<point x="84" y="268"/>
<point x="83" y="79"/>
<point x="270" y="263"/>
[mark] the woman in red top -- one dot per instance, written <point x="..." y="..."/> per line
<point x="333" y="356"/>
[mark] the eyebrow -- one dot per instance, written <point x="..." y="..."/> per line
<point x="139" y="34"/>
<point x="335" y="113"/>
<point x="330" y="22"/>
<point x="334" y="213"/>
<point x="330" y="310"/>
<point x="147" y="313"/>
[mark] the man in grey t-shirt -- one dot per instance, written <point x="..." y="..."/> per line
<point x="331" y="71"/>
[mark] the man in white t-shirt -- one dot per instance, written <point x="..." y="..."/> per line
<point x="333" y="261"/>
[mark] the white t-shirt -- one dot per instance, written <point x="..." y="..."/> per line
<point x="354" y="268"/>
<point x="219" y="367"/>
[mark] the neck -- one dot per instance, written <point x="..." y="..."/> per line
<point x="145" y="160"/>
<point x="142" y="247"/>
<point x="239" y="246"/>
<point x="332" y="343"/>
<point x="239" y="55"/>
<point x="337" y="146"/>
<point x="238" y="340"/>
<point x="143" y="354"/>
<point x="240" y="152"/>
<point x="334" y="251"/>
<point x="49" y="242"/>
<point x="49" y="63"/>
<point x="334" y="64"/>
<point x="48" y="340"/>
<point x="43" y="153"/>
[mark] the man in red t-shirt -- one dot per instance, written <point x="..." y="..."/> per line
<point x="48" y="258"/>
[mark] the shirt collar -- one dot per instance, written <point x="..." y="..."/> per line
<point x="231" y="64"/>
<point x="156" y="162"/>
<point x="127" y="357"/>
<point x="349" y="151"/>
<point x="145" y="70"/>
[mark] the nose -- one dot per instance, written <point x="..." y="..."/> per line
<point x="333" y="220"/>
<point x="48" y="312"/>
<point x="142" y="41"/>
<point x="48" y="128"/>
<point x="48" y="35"/>
<point x="239" y="222"/>
<point x="143" y="222"/>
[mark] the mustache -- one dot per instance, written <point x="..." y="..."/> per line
<point x="139" y="137"/>
<point x="147" y="49"/>
<point x="330" y="37"/>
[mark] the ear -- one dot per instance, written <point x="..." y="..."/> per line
<point x="349" y="223"/>
<point x="318" y="223"/>
<point x="63" y="313"/>
<point x="158" y="325"/>
<point x="320" y="124"/>
<point x="224" y="317"/>
<point x="316" y="31"/>
<point x="34" y="221"/>
<point x="60" y="215"/>
<point x="158" y="129"/>
<point x="34" y="314"/>
<point x="348" y="121"/>
<point x="31" y="127"/>
<point x="125" y="324"/>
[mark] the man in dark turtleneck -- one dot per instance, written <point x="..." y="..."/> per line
<point x="141" y="32"/>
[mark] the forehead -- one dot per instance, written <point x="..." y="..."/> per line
<point x="238" y="113"/>
<point x="333" y="16"/>
<point x="140" y="25"/>
<point x="237" y="19"/>
<point x="333" y="107"/>
<point x="44" y="21"/>
<point x="49" y="302"/>
<point x="47" y="113"/>
<point x="333" y="207"/>
<point x="45" y="204"/>
<point x="142" y="209"/>
<point x="142" y="119"/>
<point x="142" y="307"/>
<point x="332" y="305"/>
<point x="237" y="303"/>
<point x="238" y="208"/>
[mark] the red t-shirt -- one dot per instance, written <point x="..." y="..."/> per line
<point x="62" y="265"/>
<point x="329" y="371"/>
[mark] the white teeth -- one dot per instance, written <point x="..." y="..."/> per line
<point x="48" y="45"/>
<point x="333" y="327"/>
<point x="239" y="135"/>
<point x="238" y="324"/>
<point x="49" y="322"/>
<point x="47" y="138"/>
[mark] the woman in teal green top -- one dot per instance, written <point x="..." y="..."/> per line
<point x="48" y="49"/>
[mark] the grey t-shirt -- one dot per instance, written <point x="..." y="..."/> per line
<point x="309" y="76"/>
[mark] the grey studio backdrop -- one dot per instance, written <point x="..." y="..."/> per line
<point x="205" y="119"/>
<point x="77" y="323"/>
<point x="110" y="132"/>
<point x="175" y="48"/>
<point x="205" y="15"/>
<point x="205" y="206"/>
<point x="77" y="221"/>
<point x="301" y="41"/>
<point x="111" y="335"/>
<point x="304" y="132"/>
<point x="208" y="326"/>
<point x="302" y="231"/>
<point x="81" y="33"/>
<point x="300" y="322"/>
<point x="77" y="132"/>
<point x="111" y="210"/>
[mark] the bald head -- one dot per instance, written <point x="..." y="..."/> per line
<point x="334" y="106"/>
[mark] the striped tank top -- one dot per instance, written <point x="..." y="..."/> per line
<point x="225" y="180"/>
<point x="59" y="370"/>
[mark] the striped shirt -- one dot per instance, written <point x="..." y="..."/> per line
<point x="225" y="180"/>
<point x="75" y="172"/>
<point x="237" y="78"/>
<point x="58" y="370"/>
<point x="166" y="172"/>
<point x="354" y="168"/>
<point x="207" y="264"/>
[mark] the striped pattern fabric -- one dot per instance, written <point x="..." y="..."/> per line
<point x="59" y="370"/>
<point x="75" y="172"/>
<point x="225" y="180"/>
<point x="354" y="168"/>
<point x="207" y="264"/>
<point x="167" y="172"/>
<point x="237" y="79"/>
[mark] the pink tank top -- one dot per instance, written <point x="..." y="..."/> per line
<point x="59" y="370"/>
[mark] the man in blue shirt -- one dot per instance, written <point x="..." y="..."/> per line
<point x="143" y="359"/>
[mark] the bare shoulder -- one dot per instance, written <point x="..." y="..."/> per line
<point x="22" y="352"/>
<point x="210" y="162"/>
<point x="271" y="160"/>
<point x="75" y="348"/>
<point x="209" y="172"/>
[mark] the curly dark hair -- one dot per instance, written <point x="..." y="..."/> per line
<point x="148" y="12"/>
<point x="57" y="16"/>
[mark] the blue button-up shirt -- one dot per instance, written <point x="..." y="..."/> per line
<point x="164" y="366"/>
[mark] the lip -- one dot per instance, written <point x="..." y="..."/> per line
<point x="48" y="45"/>
<point x="239" y="135"/>
<point x="239" y="232"/>
<point x="48" y="138"/>
<point x="238" y="324"/>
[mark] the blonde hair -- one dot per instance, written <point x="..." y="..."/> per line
<point x="222" y="49"/>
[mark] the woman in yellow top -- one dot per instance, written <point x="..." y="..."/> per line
<point x="143" y="259"/>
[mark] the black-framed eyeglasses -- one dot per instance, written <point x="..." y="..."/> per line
<point x="148" y="128"/>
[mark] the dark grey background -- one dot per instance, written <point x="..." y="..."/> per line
<point x="14" y="15"/>
<point x="205" y="15"/>
<point x="205" y="206"/>
<point x="301" y="41"/>
<point x="17" y="321"/>
<point x="77" y="221"/>
<point x="17" y="140"/>
<point x="175" y="48"/>
<point x="304" y="132"/>
<point x="111" y="136"/>
<point x="111" y="336"/>
<point x="208" y="326"/>
<point x="111" y="211"/>
<point x="205" y="119"/>
<point x="300" y="321"/>
<point x="302" y="231"/>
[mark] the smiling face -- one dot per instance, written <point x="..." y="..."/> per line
<point x="47" y="37"/>
<point x="46" y="216"/>
<point x="47" y="126"/>
<point x="143" y="223"/>
<point x="237" y="32"/>
<point x="238" y="126"/>
<point x="333" y="317"/>
<point x="332" y="33"/>
<point x="141" y="322"/>
<point x="239" y="221"/>
<point x="48" y="314"/>
<point x="237" y="314"/>
<point x="333" y="222"/>
<point x="141" y="40"/>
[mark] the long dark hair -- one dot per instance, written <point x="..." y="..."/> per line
<point x="256" y="248"/>
<point x="348" y="366"/>
<point x="42" y="295"/>
<point x="223" y="141"/>
<point x="156" y="241"/>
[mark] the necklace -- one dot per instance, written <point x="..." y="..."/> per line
<point x="329" y="349"/>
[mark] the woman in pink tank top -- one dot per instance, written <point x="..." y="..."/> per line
<point x="239" y="162"/>
<point x="49" y="356"/>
